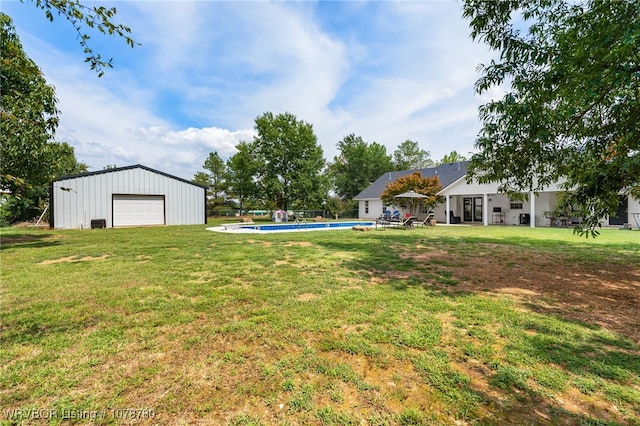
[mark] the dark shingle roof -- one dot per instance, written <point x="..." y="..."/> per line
<point x="447" y="173"/>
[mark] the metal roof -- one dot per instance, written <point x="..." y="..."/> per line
<point x="135" y="166"/>
<point x="447" y="173"/>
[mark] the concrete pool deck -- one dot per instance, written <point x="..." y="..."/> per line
<point x="268" y="228"/>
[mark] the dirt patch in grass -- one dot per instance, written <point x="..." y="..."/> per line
<point x="264" y="243"/>
<point x="603" y="294"/>
<point x="298" y="243"/>
<point x="70" y="259"/>
<point x="307" y="297"/>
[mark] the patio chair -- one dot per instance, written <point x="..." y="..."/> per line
<point x="454" y="219"/>
<point x="384" y="220"/>
<point x="427" y="220"/>
<point x="408" y="222"/>
<point x="395" y="219"/>
<point x="385" y="216"/>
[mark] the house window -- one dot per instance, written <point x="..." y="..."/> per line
<point x="366" y="207"/>
<point x="516" y="205"/>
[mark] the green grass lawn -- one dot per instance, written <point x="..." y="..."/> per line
<point x="333" y="327"/>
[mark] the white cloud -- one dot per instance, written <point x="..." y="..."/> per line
<point x="387" y="71"/>
<point x="221" y="140"/>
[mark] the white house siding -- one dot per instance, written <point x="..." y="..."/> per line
<point x="456" y="189"/>
<point x="90" y="196"/>
<point x="543" y="202"/>
<point x="634" y="207"/>
<point x="375" y="209"/>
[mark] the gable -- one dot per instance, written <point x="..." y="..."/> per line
<point x="127" y="168"/>
<point x="462" y="187"/>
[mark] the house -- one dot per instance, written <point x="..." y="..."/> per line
<point x="126" y="196"/>
<point x="483" y="204"/>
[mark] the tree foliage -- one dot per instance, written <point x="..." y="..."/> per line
<point x="336" y="207"/>
<point x="357" y="165"/>
<point x="573" y="108"/>
<point x="29" y="115"/>
<point x="242" y="168"/>
<point x="289" y="162"/>
<point x="429" y="186"/>
<point x="452" y="157"/>
<point x="62" y="161"/>
<point x="83" y="17"/>
<point x="215" y="178"/>
<point x="409" y="156"/>
<point x="28" y="119"/>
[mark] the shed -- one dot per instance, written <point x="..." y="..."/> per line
<point x="126" y="196"/>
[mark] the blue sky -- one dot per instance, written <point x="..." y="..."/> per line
<point x="204" y="70"/>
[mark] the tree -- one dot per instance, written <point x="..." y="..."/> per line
<point x="201" y="178"/>
<point x="29" y="115"/>
<point x="409" y="156"/>
<point x="573" y="107"/>
<point x="29" y="200"/>
<point x="429" y="186"/>
<point x="62" y="161"/>
<point x="241" y="170"/>
<point x="215" y="178"/>
<point x="95" y="18"/>
<point x="452" y="157"/>
<point x="28" y="119"/>
<point x="289" y="161"/>
<point x="336" y="206"/>
<point x="357" y="165"/>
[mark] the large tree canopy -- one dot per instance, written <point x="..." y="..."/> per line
<point x="429" y="186"/>
<point x="357" y="165"/>
<point x="241" y="175"/>
<point x="409" y="156"/>
<point x="452" y="157"/>
<point x="28" y="116"/>
<point x="28" y="119"/>
<point x="216" y="177"/>
<point x="289" y="162"/>
<point x="573" y="108"/>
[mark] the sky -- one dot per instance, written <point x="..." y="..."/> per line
<point x="203" y="71"/>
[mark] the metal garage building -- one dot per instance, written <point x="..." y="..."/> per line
<point x="126" y="196"/>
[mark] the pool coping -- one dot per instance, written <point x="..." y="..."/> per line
<point x="236" y="228"/>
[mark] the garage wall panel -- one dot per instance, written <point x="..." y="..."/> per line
<point x="91" y="196"/>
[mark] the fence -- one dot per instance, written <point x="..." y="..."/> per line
<point x="268" y="214"/>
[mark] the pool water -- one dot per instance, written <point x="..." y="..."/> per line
<point x="318" y="226"/>
<point x="292" y="226"/>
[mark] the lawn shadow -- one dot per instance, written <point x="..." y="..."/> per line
<point x="12" y="240"/>
<point x="577" y="352"/>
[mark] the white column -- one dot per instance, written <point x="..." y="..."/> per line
<point x="532" y="199"/>
<point x="485" y="209"/>
<point x="447" y="214"/>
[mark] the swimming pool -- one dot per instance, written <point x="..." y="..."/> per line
<point x="291" y="226"/>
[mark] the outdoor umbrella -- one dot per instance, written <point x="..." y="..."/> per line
<point x="412" y="196"/>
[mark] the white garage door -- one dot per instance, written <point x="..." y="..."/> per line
<point x="138" y="210"/>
